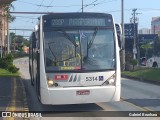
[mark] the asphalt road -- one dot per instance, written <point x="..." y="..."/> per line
<point x="5" y="94"/>
<point x="136" y="96"/>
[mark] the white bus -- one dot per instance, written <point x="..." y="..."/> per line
<point x="153" y="62"/>
<point x="74" y="58"/>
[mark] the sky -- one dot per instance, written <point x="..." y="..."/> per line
<point x="146" y="9"/>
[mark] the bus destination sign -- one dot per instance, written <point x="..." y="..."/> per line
<point x="78" y="22"/>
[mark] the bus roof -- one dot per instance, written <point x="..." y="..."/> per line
<point x="77" y="20"/>
<point x="77" y="15"/>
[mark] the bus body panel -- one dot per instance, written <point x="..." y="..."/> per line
<point x="80" y="79"/>
<point x="118" y="67"/>
<point x="68" y="95"/>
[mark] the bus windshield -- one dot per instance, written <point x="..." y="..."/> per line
<point x="80" y="49"/>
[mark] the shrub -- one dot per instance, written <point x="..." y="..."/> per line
<point x="9" y="58"/>
<point x="134" y="62"/>
<point x="12" y="68"/>
<point x="3" y="64"/>
<point x="7" y="63"/>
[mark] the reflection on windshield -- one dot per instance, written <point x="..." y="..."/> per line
<point x="81" y="49"/>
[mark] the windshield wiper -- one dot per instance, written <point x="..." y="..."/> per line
<point x="92" y="40"/>
<point x="56" y="61"/>
<point x="90" y="44"/>
<point x="51" y="50"/>
<point x="67" y="36"/>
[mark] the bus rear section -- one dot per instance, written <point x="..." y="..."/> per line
<point x="78" y="59"/>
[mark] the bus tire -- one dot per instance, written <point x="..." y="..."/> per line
<point x="155" y="65"/>
<point x="38" y="87"/>
<point x="32" y="81"/>
<point x="32" y="78"/>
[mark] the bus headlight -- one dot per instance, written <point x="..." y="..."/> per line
<point x="51" y="83"/>
<point x="110" y="81"/>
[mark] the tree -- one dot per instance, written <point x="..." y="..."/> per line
<point x="6" y="7"/>
<point x="146" y="47"/>
<point x="157" y="47"/>
<point x="133" y="62"/>
<point x="18" y="41"/>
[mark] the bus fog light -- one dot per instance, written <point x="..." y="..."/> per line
<point x="50" y="83"/>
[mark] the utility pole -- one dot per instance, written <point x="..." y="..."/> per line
<point x="134" y="20"/>
<point x="82" y="6"/>
<point x="8" y="37"/>
<point x="123" y="37"/>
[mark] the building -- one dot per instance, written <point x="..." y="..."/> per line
<point x="4" y="33"/>
<point x="144" y="31"/>
<point x="155" y="25"/>
<point x="25" y="49"/>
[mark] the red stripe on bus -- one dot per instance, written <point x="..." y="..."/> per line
<point x="61" y="77"/>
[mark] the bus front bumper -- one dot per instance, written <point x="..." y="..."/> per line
<point x="78" y="95"/>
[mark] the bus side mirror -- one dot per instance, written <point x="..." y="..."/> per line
<point x="34" y="40"/>
<point x="36" y="28"/>
<point x="119" y="36"/>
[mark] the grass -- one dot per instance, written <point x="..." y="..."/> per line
<point x="146" y="74"/>
<point x="6" y="73"/>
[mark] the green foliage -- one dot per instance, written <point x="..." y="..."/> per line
<point x="3" y="64"/>
<point x="7" y="7"/>
<point x="12" y="68"/>
<point x="7" y="63"/>
<point x="145" y="74"/>
<point x="6" y="73"/>
<point x="133" y="62"/>
<point x="157" y="47"/>
<point x="146" y="47"/>
<point x="19" y="54"/>
<point x="18" y="42"/>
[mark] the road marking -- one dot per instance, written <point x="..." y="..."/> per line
<point x="12" y="105"/>
<point x="26" y="109"/>
<point x="105" y="107"/>
<point x="142" y="108"/>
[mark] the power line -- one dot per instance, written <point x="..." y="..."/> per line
<point x="33" y="12"/>
<point x="93" y="4"/>
<point x="39" y="5"/>
<point x="86" y="5"/>
<point x="102" y="2"/>
<point x="21" y="29"/>
<point x="49" y="4"/>
<point x="26" y="17"/>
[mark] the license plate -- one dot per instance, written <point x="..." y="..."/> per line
<point x="83" y="92"/>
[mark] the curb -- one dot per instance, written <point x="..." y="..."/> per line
<point x="25" y="107"/>
<point x="142" y="80"/>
